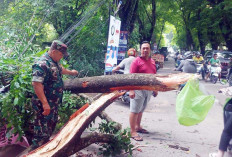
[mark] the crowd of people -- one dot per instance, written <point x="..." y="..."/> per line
<point x="188" y="64"/>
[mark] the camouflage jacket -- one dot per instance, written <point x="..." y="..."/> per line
<point x="49" y="73"/>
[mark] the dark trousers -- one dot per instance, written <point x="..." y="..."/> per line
<point x="43" y="125"/>
<point x="226" y="135"/>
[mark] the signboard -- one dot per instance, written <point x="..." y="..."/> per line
<point x="122" y="45"/>
<point x="113" y="43"/>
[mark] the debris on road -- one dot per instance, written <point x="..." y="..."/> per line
<point x="178" y="147"/>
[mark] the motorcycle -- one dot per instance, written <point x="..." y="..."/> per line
<point x="125" y="98"/>
<point x="157" y="66"/>
<point x="214" y="73"/>
<point x="199" y="67"/>
<point x="202" y="69"/>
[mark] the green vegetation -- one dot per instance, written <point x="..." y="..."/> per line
<point x="121" y="140"/>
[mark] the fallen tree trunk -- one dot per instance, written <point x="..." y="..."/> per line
<point x="109" y="83"/>
<point x="68" y="140"/>
<point x="102" y="115"/>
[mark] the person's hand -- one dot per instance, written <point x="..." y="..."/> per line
<point x="155" y="93"/>
<point x="74" y="72"/>
<point x="46" y="109"/>
<point x="132" y="94"/>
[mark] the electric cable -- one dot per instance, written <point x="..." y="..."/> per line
<point x="93" y="28"/>
<point x="88" y="15"/>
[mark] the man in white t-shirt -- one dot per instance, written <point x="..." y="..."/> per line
<point x="125" y="63"/>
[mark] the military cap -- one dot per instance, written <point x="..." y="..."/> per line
<point x="60" y="46"/>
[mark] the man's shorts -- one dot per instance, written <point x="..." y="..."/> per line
<point x="139" y="103"/>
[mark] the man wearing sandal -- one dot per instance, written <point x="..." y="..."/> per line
<point x="140" y="98"/>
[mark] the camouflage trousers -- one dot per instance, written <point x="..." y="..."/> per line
<point x="43" y="125"/>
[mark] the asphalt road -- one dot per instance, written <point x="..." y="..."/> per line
<point x="167" y="137"/>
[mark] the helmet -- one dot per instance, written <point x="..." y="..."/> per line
<point x="131" y="52"/>
<point x="198" y="54"/>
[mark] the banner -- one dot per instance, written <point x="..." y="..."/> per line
<point x="113" y="43"/>
<point x="122" y="45"/>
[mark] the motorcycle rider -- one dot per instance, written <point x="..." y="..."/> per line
<point x="179" y="58"/>
<point x="188" y="65"/>
<point x="214" y="62"/>
<point x="200" y="60"/>
<point x="125" y="63"/>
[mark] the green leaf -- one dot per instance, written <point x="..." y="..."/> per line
<point x="16" y="85"/>
<point x="16" y="101"/>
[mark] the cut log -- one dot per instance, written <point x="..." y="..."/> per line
<point x="70" y="135"/>
<point x="109" y="83"/>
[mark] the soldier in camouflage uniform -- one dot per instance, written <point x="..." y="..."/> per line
<point x="48" y="86"/>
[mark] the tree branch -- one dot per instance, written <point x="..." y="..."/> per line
<point x="88" y="140"/>
<point x="147" y="14"/>
<point x="103" y="115"/>
<point x="109" y="83"/>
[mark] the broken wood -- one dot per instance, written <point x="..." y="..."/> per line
<point x="68" y="140"/>
<point x="109" y="83"/>
<point x="102" y="115"/>
<point x="178" y="147"/>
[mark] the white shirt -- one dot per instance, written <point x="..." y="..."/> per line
<point x="126" y="63"/>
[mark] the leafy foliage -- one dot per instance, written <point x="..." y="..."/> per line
<point x="121" y="140"/>
<point x="15" y="105"/>
<point x="70" y="104"/>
